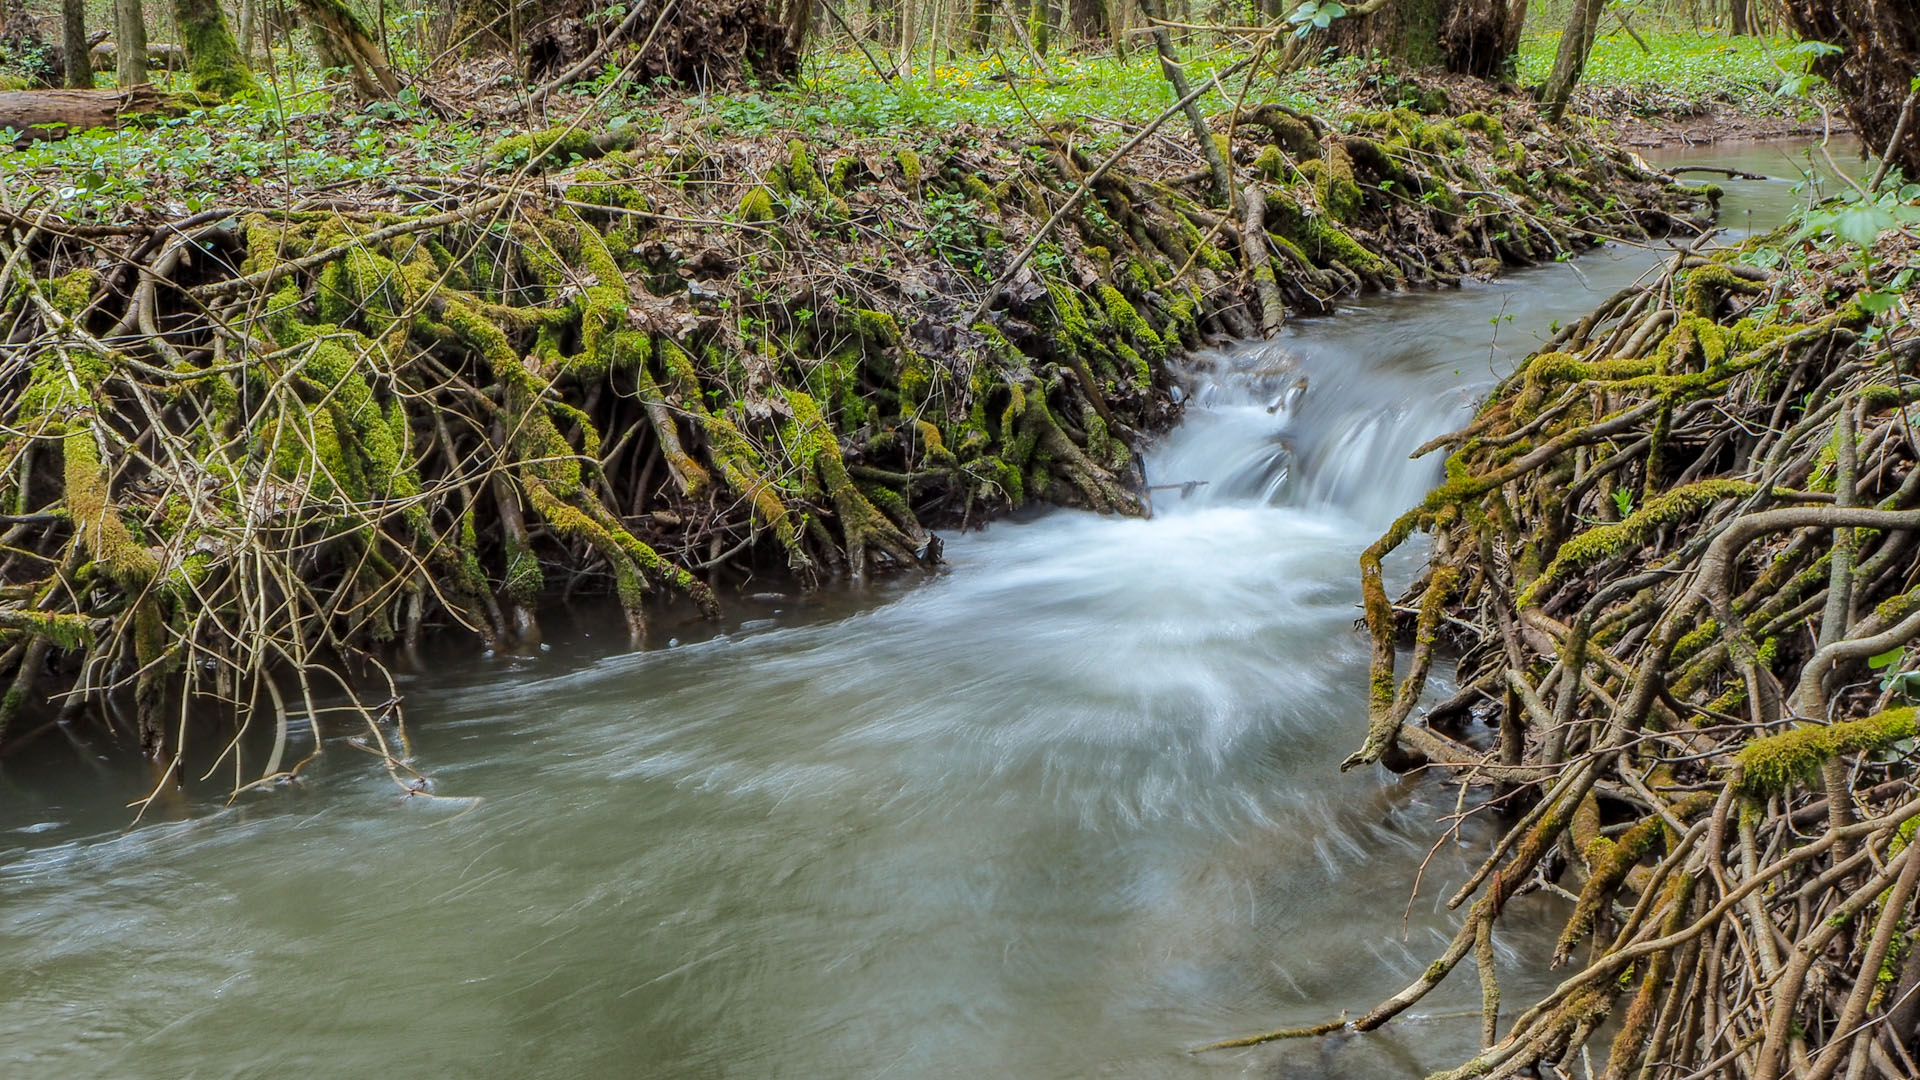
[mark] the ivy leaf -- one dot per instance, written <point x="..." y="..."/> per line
<point x="1885" y="658"/>
<point x="1906" y="684"/>
<point x="1797" y="85"/>
<point x="1813" y="49"/>
<point x="1314" y="15"/>
<point x="1875" y="301"/>
<point x="1862" y="223"/>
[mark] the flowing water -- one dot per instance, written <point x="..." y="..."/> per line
<point x="1067" y="809"/>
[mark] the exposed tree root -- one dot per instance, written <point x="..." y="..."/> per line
<point x="1670" y="547"/>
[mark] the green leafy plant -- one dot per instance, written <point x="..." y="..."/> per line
<point x="1315" y="15"/>
<point x="1797" y="67"/>
<point x="954" y="230"/>
<point x="1904" y="683"/>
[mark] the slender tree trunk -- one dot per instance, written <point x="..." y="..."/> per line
<point x="981" y="24"/>
<point x="249" y="19"/>
<point x="129" y="42"/>
<point x="73" y="44"/>
<point x="213" y="59"/>
<point x="1740" y="16"/>
<point x="909" y="32"/>
<point x="1170" y="66"/>
<point x="341" y="40"/>
<point x="1040" y="25"/>
<point x="1583" y="25"/>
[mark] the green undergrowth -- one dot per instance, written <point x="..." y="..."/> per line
<point x="248" y="150"/>
<point x="1680" y="66"/>
<point x="995" y="90"/>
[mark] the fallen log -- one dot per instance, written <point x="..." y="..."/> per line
<point x="55" y="114"/>
<point x="161" y="56"/>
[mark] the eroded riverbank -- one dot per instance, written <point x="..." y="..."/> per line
<point x="1067" y="809"/>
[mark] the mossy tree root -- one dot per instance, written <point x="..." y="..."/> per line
<point x="1669" y="605"/>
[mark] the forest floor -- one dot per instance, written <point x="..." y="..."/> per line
<point x="1682" y="87"/>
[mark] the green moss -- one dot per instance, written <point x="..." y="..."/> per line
<point x="360" y="288"/>
<point x="915" y="380"/>
<point x="1121" y="313"/>
<point x="1331" y="240"/>
<point x="602" y="302"/>
<point x="977" y="190"/>
<point x="535" y="438"/>
<point x="599" y="187"/>
<point x="214" y="62"/>
<point x="627" y="554"/>
<point x="64" y="631"/>
<point x="877" y="329"/>
<point x="71" y="292"/>
<point x="1339" y="193"/>
<point x="96" y="521"/>
<point x="801" y="175"/>
<point x="1271" y="164"/>
<point x="813" y="444"/>
<point x="911" y="167"/>
<point x="1613" y="540"/>
<point x="554" y="145"/>
<point x="1436" y="137"/>
<point x="755" y="206"/>
<point x="1770" y="764"/>
<point x="524" y="578"/>
<point x="1485" y="124"/>
<point x="836" y="381"/>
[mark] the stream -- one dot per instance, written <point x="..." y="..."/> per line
<point x="1068" y="808"/>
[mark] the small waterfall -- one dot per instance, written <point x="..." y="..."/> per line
<point x="1271" y="425"/>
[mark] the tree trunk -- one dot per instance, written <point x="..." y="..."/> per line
<point x="1470" y="37"/>
<point x="1177" y="76"/>
<point x="909" y="32"/>
<point x="1040" y="25"/>
<point x="161" y="56"/>
<point x="1482" y="37"/>
<point x="1088" y="19"/>
<point x="55" y="114"/>
<point x="1583" y="25"/>
<point x="129" y="42"/>
<point x="213" y="60"/>
<point x="73" y="44"/>
<point x="1879" y="58"/>
<point x="1740" y="17"/>
<point x="706" y="43"/>
<point x="341" y="40"/>
<point x="981" y="25"/>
